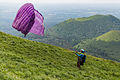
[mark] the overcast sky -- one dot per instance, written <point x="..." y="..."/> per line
<point x="61" y="1"/>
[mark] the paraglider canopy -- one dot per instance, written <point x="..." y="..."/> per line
<point x="28" y="20"/>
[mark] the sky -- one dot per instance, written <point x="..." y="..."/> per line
<point x="62" y="1"/>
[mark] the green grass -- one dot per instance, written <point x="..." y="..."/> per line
<point x="29" y="60"/>
<point x="113" y="35"/>
<point x="94" y="17"/>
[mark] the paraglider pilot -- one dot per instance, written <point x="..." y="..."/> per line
<point x="81" y="57"/>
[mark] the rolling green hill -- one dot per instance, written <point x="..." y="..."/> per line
<point x="105" y="46"/>
<point x="29" y="60"/>
<point x="70" y="32"/>
<point x="110" y="36"/>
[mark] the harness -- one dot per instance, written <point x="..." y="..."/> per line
<point x="81" y="56"/>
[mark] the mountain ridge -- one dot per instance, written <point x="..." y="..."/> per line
<point x="70" y="32"/>
<point x="94" y="17"/>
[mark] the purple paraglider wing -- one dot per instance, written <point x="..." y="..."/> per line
<point x="24" y="19"/>
<point x="28" y="20"/>
<point x="38" y="27"/>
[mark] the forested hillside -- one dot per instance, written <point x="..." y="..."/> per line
<point x="70" y="32"/>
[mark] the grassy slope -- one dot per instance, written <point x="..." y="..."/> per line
<point x="29" y="60"/>
<point x="71" y="32"/>
<point x="106" y="45"/>
<point x="110" y="36"/>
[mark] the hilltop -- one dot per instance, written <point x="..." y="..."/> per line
<point x="105" y="46"/>
<point x="113" y="35"/>
<point x="22" y="59"/>
<point x="72" y="31"/>
<point x="94" y="17"/>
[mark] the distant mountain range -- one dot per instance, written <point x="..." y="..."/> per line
<point x="22" y="59"/>
<point x="105" y="46"/>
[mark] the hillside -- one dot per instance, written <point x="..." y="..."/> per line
<point x="29" y="60"/>
<point x="105" y="46"/>
<point x="70" y="32"/>
<point x="110" y="36"/>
